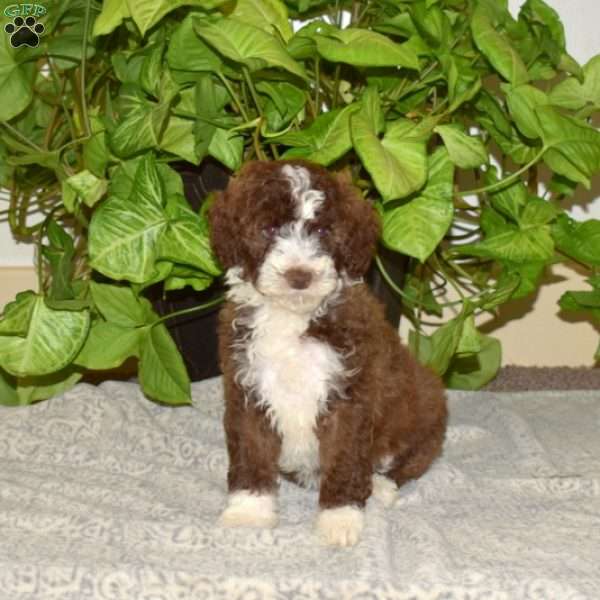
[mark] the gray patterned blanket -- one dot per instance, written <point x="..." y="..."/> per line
<point x="105" y="495"/>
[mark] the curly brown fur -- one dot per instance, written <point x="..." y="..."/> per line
<point x="318" y="387"/>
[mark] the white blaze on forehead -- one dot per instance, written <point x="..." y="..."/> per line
<point x="307" y="200"/>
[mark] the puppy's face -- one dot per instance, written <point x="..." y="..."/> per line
<point x="292" y="232"/>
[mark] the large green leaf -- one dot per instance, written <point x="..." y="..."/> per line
<point x="325" y="140"/>
<point x="95" y="152"/>
<point x="265" y="14"/>
<point x="474" y="371"/>
<point x="302" y="45"/>
<point x="573" y="146"/>
<point x="573" y="94"/>
<point x="112" y="15"/>
<point x="463" y="81"/>
<point x="147" y="13"/>
<point x="437" y="350"/>
<point x="186" y="239"/>
<point x="518" y="245"/>
<point x="227" y="147"/>
<point x="124" y="232"/>
<point x="247" y="45"/>
<point x="371" y="108"/>
<point x="431" y="22"/>
<point x="123" y="180"/>
<point x="162" y="373"/>
<point x="580" y="241"/>
<point x="21" y="391"/>
<point x="497" y="48"/>
<point x="83" y="186"/>
<point x="119" y="305"/>
<point x="417" y="227"/>
<point x="33" y="389"/>
<point x="512" y="144"/>
<point x="540" y="12"/>
<point x="510" y="199"/>
<point x="178" y="138"/>
<point x="8" y="390"/>
<point x="16" y="90"/>
<point x="522" y="102"/>
<point x="397" y="163"/>
<point x="364" y="48"/>
<point x="17" y="314"/>
<point x="145" y="221"/>
<point x="60" y="253"/>
<point x="53" y="339"/>
<point x="285" y="101"/>
<point x="141" y="128"/>
<point x="465" y="151"/>
<point x="108" y="345"/>
<point x="187" y="52"/>
<point x="584" y="301"/>
<point x="530" y="276"/>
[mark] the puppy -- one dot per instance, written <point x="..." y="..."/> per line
<point x="318" y="388"/>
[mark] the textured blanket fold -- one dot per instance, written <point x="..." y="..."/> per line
<point x="105" y="495"/>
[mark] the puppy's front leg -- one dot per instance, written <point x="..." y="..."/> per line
<point x="346" y="483"/>
<point x="253" y="449"/>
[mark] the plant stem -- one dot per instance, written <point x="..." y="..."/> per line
<point x="256" y="143"/>
<point x="187" y="311"/>
<point x="507" y="180"/>
<point x="84" y="41"/>
<point x="336" y="85"/>
<point x="253" y="92"/>
<point x="389" y="279"/>
<point x="451" y="280"/>
<point x="61" y="97"/>
<point x="317" y="85"/>
<point x="15" y="132"/>
<point x="233" y="95"/>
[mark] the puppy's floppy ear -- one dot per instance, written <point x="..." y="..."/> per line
<point x="224" y="229"/>
<point x="361" y="228"/>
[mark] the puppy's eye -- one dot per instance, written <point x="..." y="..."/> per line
<point x="322" y="231"/>
<point x="269" y="231"/>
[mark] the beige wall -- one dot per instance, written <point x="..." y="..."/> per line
<point x="14" y="280"/>
<point x="535" y="332"/>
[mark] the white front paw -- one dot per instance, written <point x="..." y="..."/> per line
<point x="340" y="526"/>
<point x="245" y="509"/>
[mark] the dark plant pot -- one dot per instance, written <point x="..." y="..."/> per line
<point x="196" y="334"/>
<point x="396" y="266"/>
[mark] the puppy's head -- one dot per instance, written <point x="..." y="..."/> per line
<point x="292" y="231"/>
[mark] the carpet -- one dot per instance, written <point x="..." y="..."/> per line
<point x="515" y="378"/>
<point x="105" y="495"/>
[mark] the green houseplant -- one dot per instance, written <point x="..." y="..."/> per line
<point x="414" y="98"/>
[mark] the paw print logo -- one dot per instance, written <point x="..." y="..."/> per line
<point x="24" y="32"/>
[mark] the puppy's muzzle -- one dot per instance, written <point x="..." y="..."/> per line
<point x="298" y="278"/>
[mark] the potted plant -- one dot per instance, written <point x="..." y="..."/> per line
<point x="446" y="114"/>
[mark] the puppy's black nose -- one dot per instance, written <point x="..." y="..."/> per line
<point x="297" y="278"/>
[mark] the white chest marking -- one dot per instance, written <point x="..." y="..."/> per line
<point x="291" y="377"/>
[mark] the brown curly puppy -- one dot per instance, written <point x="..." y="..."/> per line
<point x="317" y="386"/>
